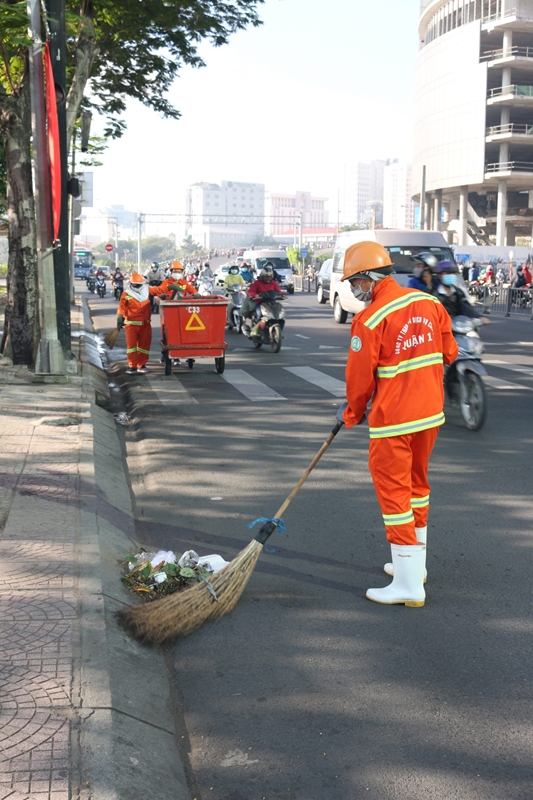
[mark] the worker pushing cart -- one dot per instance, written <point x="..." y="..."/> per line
<point x="193" y="328"/>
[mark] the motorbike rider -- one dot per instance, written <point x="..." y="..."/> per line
<point x="264" y="284"/>
<point x="154" y="274"/>
<point x="246" y="272"/>
<point x="398" y="345"/>
<point x="423" y="278"/>
<point x="206" y="274"/>
<point x="527" y="274"/>
<point x="135" y="313"/>
<point x="451" y="294"/>
<point x="234" y="278"/>
<point x="519" y="281"/>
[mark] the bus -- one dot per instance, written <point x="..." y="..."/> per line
<point x="83" y="262"/>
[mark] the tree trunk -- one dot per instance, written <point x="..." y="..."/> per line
<point x="85" y="53"/>
<point x="21" y="328"/>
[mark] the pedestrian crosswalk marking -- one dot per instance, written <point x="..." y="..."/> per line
<point x="195" y="323"/>
<point x="498" y="383"/>
<point x="170" y="391"/>
<point x="507" y="365"/>
<point x="250" y="387"/>
<point x="332" y="385"/>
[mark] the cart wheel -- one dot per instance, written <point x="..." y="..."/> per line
<point x="190" y="362"/>
<point x="220" y="364"/>
<point x="168" y="364"/>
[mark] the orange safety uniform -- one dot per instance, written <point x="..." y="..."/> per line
<point x="399" y="344"/>
<point x="185" y="286"/>
<point x="137" y="315"/>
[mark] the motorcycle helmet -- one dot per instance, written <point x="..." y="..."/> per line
<point x="446" y="266"/>
<point x="234" y="269"/>
<point x="367" y="260"/>
<point x="267" y="273"/>
<point x="424" y="261"/>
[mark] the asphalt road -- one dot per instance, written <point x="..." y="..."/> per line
<point x="308" y="691"/>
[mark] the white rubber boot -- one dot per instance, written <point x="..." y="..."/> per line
<point x="408" y="583"/>
<point x="421" y="538"/>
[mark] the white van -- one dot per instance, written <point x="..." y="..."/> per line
<point x="280" y="262"/>
<point x="401" y="246"/>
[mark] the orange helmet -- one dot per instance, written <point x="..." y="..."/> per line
<point x="176" y="265"/>
<point x="366" y="257"/>
<point x="136" y="278"/>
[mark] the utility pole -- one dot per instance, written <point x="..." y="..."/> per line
<point x="58" y="48"/>
<point x="423" y="201"/>
<point x="50" y="358"/>
<point x="139" y="242"/>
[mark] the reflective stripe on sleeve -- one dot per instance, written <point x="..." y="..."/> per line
<point x="407" y="427"/>
<point x="395" y="305"/>
<point x="410" y="364"/>
<point x="399" y="519"/>
<point x="420" y="502"/>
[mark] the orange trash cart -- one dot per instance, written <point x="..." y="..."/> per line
<point x="194" y="328"/>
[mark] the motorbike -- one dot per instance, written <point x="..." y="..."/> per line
<point x="118" y="288"/>
<point x="206" y="287"/>
<point x="234" y="318"/>
<point x="100" y="286"/>
<point x="91" y="283"/>
<point x="154" y="307"/>
<point x="272" y="322"/>
<point x="463" y="380"/>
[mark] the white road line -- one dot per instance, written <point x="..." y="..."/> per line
<point x="170" y="391"/>
<point x="508" y="365"/>
<point x="497" y="383"/>
<point x="332" y="385"/>
<point x="329" y="347"/>
<point x="250" y="387"/>
<point x="301" y="336"/>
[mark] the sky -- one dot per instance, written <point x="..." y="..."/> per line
<point x="318" y="85"/>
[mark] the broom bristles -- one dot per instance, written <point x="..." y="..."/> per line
<point x="111" y="338"/>
<point x="184" y="612"/>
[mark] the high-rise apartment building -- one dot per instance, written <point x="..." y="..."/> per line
<point x="225" y="216"/>
<point x="362" y="186"/>
<point x="398" y="206"/>
<point x="474" y="117"/>
<point x="283" y="212"/>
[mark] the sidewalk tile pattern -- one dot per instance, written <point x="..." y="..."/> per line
<point x="39" y="535"/>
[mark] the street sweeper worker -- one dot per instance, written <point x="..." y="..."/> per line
<point x="399" y="344"/>
<point x="176" y="280"/>
<point x="134" y="313"/>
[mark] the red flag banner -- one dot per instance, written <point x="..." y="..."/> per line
<point x="54" y="152"/>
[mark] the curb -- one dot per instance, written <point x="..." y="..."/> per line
<point x="126" y="738"/>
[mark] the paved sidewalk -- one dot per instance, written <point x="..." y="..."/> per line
<point x="84" y="711"/>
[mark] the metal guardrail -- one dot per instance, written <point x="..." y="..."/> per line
<point x="518" y="90"/>
<point x="510" y="127"/>
<point x="518" y="52"/>
<point x="510" y="166"/>
<point x="304" y="283"/>
<point x="510" y="302"/>
<point x="509" y="12"/>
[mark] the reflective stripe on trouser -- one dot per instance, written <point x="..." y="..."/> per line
<point x="138" y="340"/>
<point x="399" y="465"/>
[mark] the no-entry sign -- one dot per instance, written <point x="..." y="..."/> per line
<point x="109" y="248"/>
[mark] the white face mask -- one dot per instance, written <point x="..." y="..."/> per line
<point x="359" y="294"/>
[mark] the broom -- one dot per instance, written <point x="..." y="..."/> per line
<point x="182" y="613"/>
<point x="111" y="338"/>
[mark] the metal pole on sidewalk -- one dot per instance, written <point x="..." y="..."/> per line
<point x="58" y="48"/>
<point x="423" y="201"/>
<point x="50" y="358"/>
<point x="139" y="241"/>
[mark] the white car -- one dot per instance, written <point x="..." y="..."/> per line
<point x="221" y="274"/>
<point x="401" y="245"/>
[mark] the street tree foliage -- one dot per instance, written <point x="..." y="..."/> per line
<point x="158" y="248"/>
<point x="119" y="49"/>
<point x="189" y="248"/>
<point x="293" y="254"/>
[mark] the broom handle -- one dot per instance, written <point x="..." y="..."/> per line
<point x="309" y="469"/>
<point x="269" y="527"/>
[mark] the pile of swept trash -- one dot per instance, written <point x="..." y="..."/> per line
<point x="156" y="575"/>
